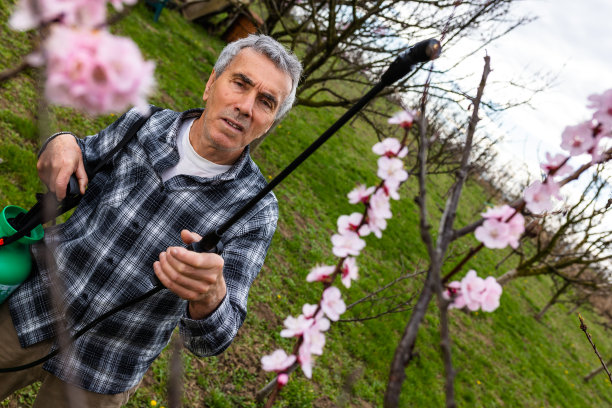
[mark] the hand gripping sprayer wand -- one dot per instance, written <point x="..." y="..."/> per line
<point x="421" y="52"/>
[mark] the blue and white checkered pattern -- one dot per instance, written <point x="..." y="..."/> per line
<point x="105" y="252"/>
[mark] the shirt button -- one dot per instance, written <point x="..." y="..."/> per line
<point x="135" y="225"/>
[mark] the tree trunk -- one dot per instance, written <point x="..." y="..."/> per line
<point x="552" y="301"/>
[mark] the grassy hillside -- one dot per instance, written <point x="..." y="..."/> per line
<point x="503" y="359"/>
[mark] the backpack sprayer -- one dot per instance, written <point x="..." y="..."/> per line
<point x="19" y="229"/>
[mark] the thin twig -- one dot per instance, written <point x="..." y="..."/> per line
<point x="583" y="327"/>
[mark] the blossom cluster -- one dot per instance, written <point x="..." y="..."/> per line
<point x="87" y="67"/>
<point x="347" y="243"/>
<point x="588" y="137"/>
<point x="474" y="293"/>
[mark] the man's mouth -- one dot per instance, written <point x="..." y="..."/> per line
<point x="233" y="124"/>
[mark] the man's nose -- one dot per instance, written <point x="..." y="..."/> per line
<point x="244" y="105"/>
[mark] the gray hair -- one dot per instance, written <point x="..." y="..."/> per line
<point x="284" y="60"/>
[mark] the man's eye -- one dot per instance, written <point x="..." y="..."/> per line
<point x="267" y="103"/>
<point x="239" y="84"/>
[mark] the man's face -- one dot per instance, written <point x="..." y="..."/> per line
<point x="241" y="105"/>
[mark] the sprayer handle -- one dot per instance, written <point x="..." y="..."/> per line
<point x="73" y="188"/>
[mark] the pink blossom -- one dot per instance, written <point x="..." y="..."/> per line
<point x="277" y="361"/>
<point x="453" y="291"/>
<point x="347" y="244"/>
<point x="305" y="359"/>
<point x="390" y="147"/>
<point x="349" y="271"/>
<point x="391" y="169"/>
<point x="603" y="105"/>
<point x="320" y="273"/>
<point x="332" y="304"/>
<point x="315" y="340"/>
<point x="282" y="380"/>
<point x="82" y="13"/>
<point x="321" y="323"/>
<point x="491" y="294"/>
<point x="556" y="163"/>
<point x="349" y="223"/>
<point x="493" y="234"/>
<point x="403" y="118"/>
<point x="376" y="224"/>
<point x="380" y="205"/>
<point x="309" y="310"/>
<point x="472" y="288"/>
<point x="598" y="149"/>
<point x="391" y="187"/>
<point x="296" y="326"/>
<point x="96" y="71"/>
<point x="538" y="196"/>
<point x="577" y="139"/>
<point x="360" y="194"/>
<point x="499" y="230"/>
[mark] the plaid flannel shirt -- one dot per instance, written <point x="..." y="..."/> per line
<point x="104" y="255"/>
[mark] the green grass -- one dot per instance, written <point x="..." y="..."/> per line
<point x="504" y="358"/>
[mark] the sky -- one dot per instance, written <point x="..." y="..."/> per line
<point x="570" y="41"/>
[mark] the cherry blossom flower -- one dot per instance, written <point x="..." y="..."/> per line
<point x="472" y="288"/>
<point x="282" y="379"/>
<point x="305" y="359"/>
<point x="332" y="304"/>
<point x="96" y="71"/>
<point x="315" y="341"/>
<point x="361" y="194"/>
<point x="556" y="163"/>
<point x="349" y="223"/>
<point x="391" y="169"/>
<point x="491" y="294"/>
<point x="321" y="323"/>
<point x="403" y="118"/>
<point x="390" y="147"/>
<point x="453" y="291"/>
<point x="493" y="234"/>
<point x="538" y="196"/>
<point x="379" y="212"/>
<point x="82" y="13"/>
<point x="603" y="105"/>
<point x="309" y="310"/>
<point x="320" y="273"/>
<point x="391" y="187"/>
<point x="349" y="271"/>
<point x="296" y="326"/>
<point x="499" y="230"/>
<point x="277" y="361"/>
<point x="577" y="139"/>
<point x="347" y="244"/>
<point x="380" y="205"/>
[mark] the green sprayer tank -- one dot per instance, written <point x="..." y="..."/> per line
<point x="15" y="261"/>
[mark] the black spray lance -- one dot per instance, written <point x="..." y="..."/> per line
<point x="421" y="52"/>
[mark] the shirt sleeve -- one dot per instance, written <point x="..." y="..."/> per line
<point x="243" y="257"/>
<point x="95" y="147"/>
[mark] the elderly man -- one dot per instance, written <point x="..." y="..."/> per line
<point x="182" y="176"/>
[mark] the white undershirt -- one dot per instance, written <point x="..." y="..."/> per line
<point x="190" y="162"/>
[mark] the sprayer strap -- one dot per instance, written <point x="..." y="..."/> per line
<point x="36" y="215"/>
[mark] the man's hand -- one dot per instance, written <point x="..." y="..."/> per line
<point x="61" y="158"/>
<point x="196" y="277"/>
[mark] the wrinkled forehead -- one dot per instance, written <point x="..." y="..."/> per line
<point x="260" y="69"/>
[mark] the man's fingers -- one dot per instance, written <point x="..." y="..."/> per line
<point x="184" y="292"/>
<point x="81" y="175"/>
<point x="178" y="281"/>
<point x="189" y="237"/>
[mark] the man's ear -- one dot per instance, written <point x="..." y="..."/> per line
<point x="211" y="79"/>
